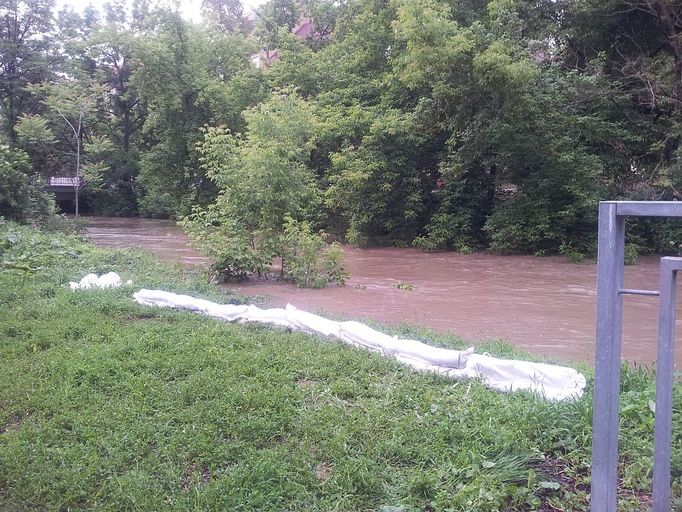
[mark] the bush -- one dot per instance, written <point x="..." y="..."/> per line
<point x="21" y="196"/>
<point x="268" y="195"/>
<point x="232" y="250"/>
<point x="305" y="260"/>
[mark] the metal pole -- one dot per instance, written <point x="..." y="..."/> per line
<point x="664" y="383"/>
<point x="605" y="414"/>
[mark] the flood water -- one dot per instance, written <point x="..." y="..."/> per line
<point x="543" y="305"/>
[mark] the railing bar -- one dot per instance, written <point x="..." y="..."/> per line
<point x="605" y="423"/>
<point x="64" y="181"/>
<point x="630" y="291"/>
<point x="665" y="357"/>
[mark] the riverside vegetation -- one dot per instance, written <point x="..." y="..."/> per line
<point x="109" y="405"/>
<point x="465" y="125"/>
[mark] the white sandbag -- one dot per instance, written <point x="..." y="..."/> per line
<point x="311" y="323"/>
<point x="108" y="280"/>
<point x="229" y="312"/>
<point x="549" y="381"/>
<point x="458" y="367"/>
<point x="360" y="335"/>
<point x="274" y="316"/>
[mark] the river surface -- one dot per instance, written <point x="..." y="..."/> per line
<point x="543" y="305"/>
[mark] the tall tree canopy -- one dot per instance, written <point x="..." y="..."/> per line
<point x="446" y="125"/>
<point x="25" y="54"/>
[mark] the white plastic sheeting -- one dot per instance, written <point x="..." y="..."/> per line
<point x="549" y="381"/>
<point x="109" y="280"/>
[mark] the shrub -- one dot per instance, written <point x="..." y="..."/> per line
<point x="268" y="193"/>
<point x="305" y="260"/>
<point x="21" y="196"/>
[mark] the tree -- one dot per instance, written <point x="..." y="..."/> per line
<point x="25" y="55"/>
<point x="267" y="193"/>
<point x="21" y="196"/>
<point x="523" y="134"/>
<point x="226" y="15"/>
<point x="636" y="45"/>
<point x="447" y="125"/>
<point x="275" y="17"/>
<point x="112" y="49"/>
<point x="187" y="78"/>
<point x="377" y="185"/>
<point x="323" y="14"/>
<point x="75" y="106"/>
<point x="72" y="105"/>
<point x="170" y="76"/>
<point x="374" y="162"/>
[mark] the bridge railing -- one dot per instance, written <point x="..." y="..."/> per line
<point x="65" y="182"/>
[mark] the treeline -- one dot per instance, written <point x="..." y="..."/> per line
<point x="459" y="125"/>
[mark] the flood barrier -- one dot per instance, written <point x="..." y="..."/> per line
<point x="545" y="380"/>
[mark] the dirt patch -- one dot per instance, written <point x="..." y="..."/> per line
<point x="276" y="440"/>
<point x="644" y="498"/>
<point x="145" y="317"/>
<point x="323" y="471"/>
<point x="195" y="474"/>
<point x="556" y="470"/>
<point x="571" y="483"/>
<point x="305" y="383"/>
<point x="14" y="423"/>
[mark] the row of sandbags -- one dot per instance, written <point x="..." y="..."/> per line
<point x="549" y="381"/>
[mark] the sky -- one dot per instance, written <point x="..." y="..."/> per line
<point x="191" y="9"/>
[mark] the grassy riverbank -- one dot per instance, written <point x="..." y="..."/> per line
<point x="106" y="404"/>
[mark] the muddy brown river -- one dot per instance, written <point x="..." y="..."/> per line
<point x="543" y="305"/>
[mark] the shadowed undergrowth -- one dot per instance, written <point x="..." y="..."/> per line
<point x="107" y="404"/>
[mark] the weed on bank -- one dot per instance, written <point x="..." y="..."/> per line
<point x="109" y="405"/>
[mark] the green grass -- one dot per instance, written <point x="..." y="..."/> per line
<point x="109" y="405"/>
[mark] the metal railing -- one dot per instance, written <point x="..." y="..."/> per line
<point x="65" y="182"/>
<point x="610" y="291"/>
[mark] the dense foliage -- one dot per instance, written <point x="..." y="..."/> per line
<point x="267" y="196"/>
<point x="445" y="125"/>
<point x="109" y="405"/>
<point x="21" y="196"/>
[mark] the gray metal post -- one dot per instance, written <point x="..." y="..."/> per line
<point x="664" y="383"/>
<point x="607" y="365"/>
<point x="605" y="424"/>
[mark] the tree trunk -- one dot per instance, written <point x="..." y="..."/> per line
<point x="77" y="185"/>
<point x="127" y="128"/>
<point x="12" y="117"/>
<point x="665" y="13"/>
